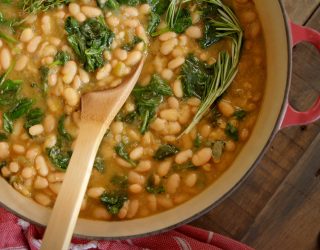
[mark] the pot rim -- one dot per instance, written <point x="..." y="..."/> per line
<point x="236" y="186"/>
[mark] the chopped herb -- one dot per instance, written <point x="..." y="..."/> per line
<point x="232" y="132"/>
<point x="209" y="36"/>
<point x="148" y="98"/>
<point x="21" y="108"/>
<point x="197" y="141"/>
<point x="113" y="201"/>
<point x="7" y="38"/>
<point x="99" y="164"/>
<point x="178" y="17"/>
<point x="33" y="117"/>
<point x="62" y="131"/>
<point x="122" y="152"/>
<point x="58" y="157"/>
<point x="217" y="149"/>
<point x="35" y="6"/>
<point x="3" y="137"/>
<point x="89" y="40"/>
<point x="130" y="46"/>
<point x="120" y="180"/>
<point x="152" y="188"/>
<point x="240" y="114"/>
<point x="165" y="151"/>
<point x="6" y="1"/>
<point x="184" y="166"/>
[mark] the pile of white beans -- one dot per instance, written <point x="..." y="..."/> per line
<point x="29" y="169"/>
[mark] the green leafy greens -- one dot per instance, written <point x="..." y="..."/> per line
<point x="33" y="117"/>
<point x="122" y="153"/>
<point x="165" y="151"/>
<point x="223" y="72"/>
<point x="89" y="40"/>
<point x="36" y="6"/>
<point x="148" y="98"/>
<point x="113" y="201"/>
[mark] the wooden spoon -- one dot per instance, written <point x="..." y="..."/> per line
<point x="98" y="109"/>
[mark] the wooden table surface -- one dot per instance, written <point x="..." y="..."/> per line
<point x="278" y="206"/>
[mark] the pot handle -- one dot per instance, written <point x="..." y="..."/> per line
<point x="293" y="117"/>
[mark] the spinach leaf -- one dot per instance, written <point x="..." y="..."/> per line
<point x="148" y="98"/>
<point x="21" y="108"/>
<point x="154" y="21"/>
<point x="33" y="117"/>
<point x="120" y="180"/>
<point x="113" y="201"/>
<point x="9" y="92"/>
<point x="3" y="137"/>
<point x="108" y="4"/>
<point x="217" y="149"/>
<point x="44" y="74"/>
<point x="195" y="77"/>
<point x="182" y="22"/>
<point x="165" y="151"/>
<point x="62" y="131"/>
<point x="61" y="58"/>
<point x="35" y="6"/>
<point x="89" y="40"/>
<point x="232" y="132"/>
<point x="130" y="46"/>
<point x="197" y="141"/>
<point x="152" y="188"/>
<point x="99" y="164"/>
<point x="58" y="157"/>
<point x="240" y="114"/>
<point x="184" y="167"/>
<point x="209" y="36"/>
<point x="122" y="153"/>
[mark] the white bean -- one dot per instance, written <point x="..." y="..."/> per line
<point x="103" y="72"/>
<point x="136" y="153"/>
<point x="41" y="165"/>
<point x="135" y="188"/>
<point x="14" y="167"/>
<point x="177" y="88"/>
<point x="40" y="183"/>
<point x="49" y="123"/>
<point x="183" y="156"/>
<point x="163" y="168"/>
<point x="191" y="179"/>
<point x="5" y="58"/>
<point x="175" y="63"/>
<point x="72" y="97"/>
<point x="194" y="32"/>
<point x="74" y="8"/>
<point x="27" y="172"/>
<point x="26" y="35"/>
<point x="84" y="76"/>
<point x="95" y="192"/>
<point x="202" y="157"/>
<point x="69" y="71"/>
<point x="143" y="166"/>
<point x="91" y="11"/>
<point x="173" y="183"/>
<point x="4" y="150"/>
<point x="56" y="177"/>
<point x="169" y="114"/>
<point x="33" y="44"/>
<point x="21" y="63"/>
<point x="167" y="47"/>
<point x="135" y="178"/>
<point x="167" y="36"/>
<point x="133" y="208"/>
<point x="36" y="130"/>
<point x="42" y="199"/>
<point x="133" y="58"/>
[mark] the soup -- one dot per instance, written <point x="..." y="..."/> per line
<point x="190" y="114"/>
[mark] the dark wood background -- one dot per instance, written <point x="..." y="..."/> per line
<point x="278" y="206"/>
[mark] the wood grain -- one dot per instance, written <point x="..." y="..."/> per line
<point x="280" y="189"/>
<point x="291" y="220"/>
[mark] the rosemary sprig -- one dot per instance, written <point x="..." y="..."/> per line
<point x="226" y="67"/>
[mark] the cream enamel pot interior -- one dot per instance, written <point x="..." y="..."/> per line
<point x="275" y="113"/>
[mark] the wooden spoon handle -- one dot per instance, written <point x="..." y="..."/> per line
<point x="67" y="206"/>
